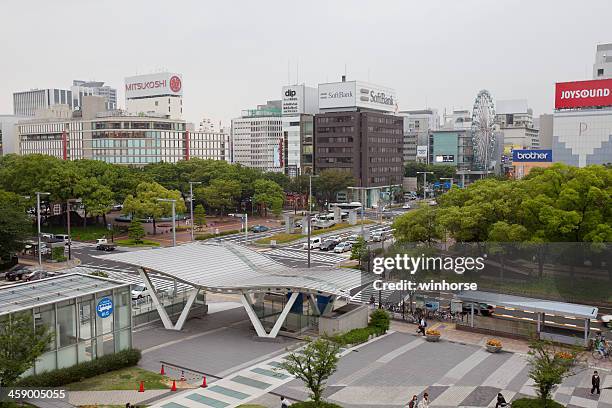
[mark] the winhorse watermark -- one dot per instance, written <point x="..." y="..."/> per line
<point x="415" y="264"/>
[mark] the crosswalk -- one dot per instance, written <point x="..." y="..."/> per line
<point x="239" y="237"/>
<point x="316" y="256"/>
<point x="344" y="234"/>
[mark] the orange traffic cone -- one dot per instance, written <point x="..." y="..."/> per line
<point x="162" y="371"/>
<point x="204" y="382"/>
<point x="182" y="375"/>
<point x="173" y="385"/>
<point x="141" y="388"/>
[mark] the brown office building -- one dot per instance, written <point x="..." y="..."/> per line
<point x="366" y="143"/>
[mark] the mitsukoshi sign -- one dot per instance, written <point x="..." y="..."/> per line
<point x="580" y="94"/>
<point x="165" y="83"/>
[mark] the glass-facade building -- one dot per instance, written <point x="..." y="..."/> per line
<point x="89" y="316"/>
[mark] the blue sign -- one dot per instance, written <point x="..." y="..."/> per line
<point x="447" y="185"/>
<point x="104" y="307"/>
<point x="532" y="155"/>
<point x="437" y="184"/>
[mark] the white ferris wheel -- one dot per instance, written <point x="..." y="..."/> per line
<point x="483" y="137"/>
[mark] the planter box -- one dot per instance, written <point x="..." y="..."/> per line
<point x="432" y="338"/>
<point x="493" y="349"/>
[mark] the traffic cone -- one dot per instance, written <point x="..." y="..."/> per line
<point x="141" y="389"/>
<point x="182" y="375"/>
<point x="204" y="382"/>
<point x="162" y="371"/>
<point x="173" y="385"/>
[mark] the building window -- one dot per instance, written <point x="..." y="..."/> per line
<point x="600" y="72"/>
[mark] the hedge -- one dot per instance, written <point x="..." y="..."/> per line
<point x="312" y="404"/>
<point x="203" y="237"/>
<point x="78" y="372"/>
<point x="534" y="403"/>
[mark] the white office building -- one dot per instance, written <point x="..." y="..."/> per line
<point x="8" y="134"/>
<point x="602" y="68"/>
<point x="155" y="94"/>
<point x="298" y="105"/>
<point x="582" y="137"/>
<point x="80" y="88"/>
<point x="515" y="120"/>
<point x="27" y="103"/>
<point x="257" y="138"/>
<point x="458" y="119"/>
<point x="417" y="125"/>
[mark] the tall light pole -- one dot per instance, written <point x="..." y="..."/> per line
<point x="173" y="201"/>
<point x="362" y="208"/>
<point x="191" y="183"/>
<point x="424" y="173"/>
<point x="68" y="201"/>
<point x="244" y="218"/>
<point x="38" y="194"/>
<point x="310" y="176"/>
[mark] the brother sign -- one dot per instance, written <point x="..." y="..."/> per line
<point x="532" y="155"/>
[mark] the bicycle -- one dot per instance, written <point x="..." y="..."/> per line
<point x="599" y="354"/>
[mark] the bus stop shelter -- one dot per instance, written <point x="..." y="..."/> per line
<point x="539" y="308"/>
<point x="231" y="268"/>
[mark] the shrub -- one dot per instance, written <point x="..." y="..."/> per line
<point x="380" y="319"/>
<point x="312" y="404"/>
<point x="534" y="403"/>
<point x="57" y="254"/>
<point x="78" y="372"/>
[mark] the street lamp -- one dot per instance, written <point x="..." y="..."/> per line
<point x="424" y="173"/>
<point x="362" y="208"/>
<point x="245" y="218"/>
<point x="38" y="194"/>
<point x="68" y="201"/>
<point x="191" y="183"/>
<point x="173" y="201"/>
<point x="310" y="176"/>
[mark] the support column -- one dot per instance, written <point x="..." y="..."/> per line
<point x="587" y="323"/>
<point x="472" y="314"/>
<point x="259" y="329"/>
<point x="161" y="310"/>
<point x="312" y="300"/>
<point x="329" y="306"/>
<point x="186" y="309"/>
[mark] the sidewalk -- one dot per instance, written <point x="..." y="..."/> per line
<point x="51" y="266"/>
<point x="80" y="398"/>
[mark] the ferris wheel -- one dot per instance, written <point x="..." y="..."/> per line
<point x="483" y="137"/>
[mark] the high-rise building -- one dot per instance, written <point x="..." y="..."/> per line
<point x="457" y="119"/>
<point x="515" y="120"/>
<point x="157" y="94"/>
<point x="545" y="130"/>
<point x="80" y="88"/>
<point x="8" y="136"/>
<point x="27" y="103"/>
<point x="358" y="132"/>
<point x="257" y="138"/>
<point x="417" y="126"/>
<point x="602" y="68"/>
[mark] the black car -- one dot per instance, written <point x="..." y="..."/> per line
<point x="328" y="245"/>
<point x="17" y="272"/>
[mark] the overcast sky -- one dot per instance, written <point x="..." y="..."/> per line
<point x="235" y="54"/>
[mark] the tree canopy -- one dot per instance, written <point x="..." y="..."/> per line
<point x="14" y="223"/>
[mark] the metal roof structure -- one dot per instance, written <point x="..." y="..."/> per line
<point x="234" y="268"/>
<point x="27" y="295"/>
<point x="534" y="305"/>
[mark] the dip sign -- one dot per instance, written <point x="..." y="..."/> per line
<point x="104" y="307"/>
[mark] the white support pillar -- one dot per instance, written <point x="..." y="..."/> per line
<point x="259" y="329"/>
<point x="160" y="308"/>
<point x="181" y="320"/>
<point x="329" y="306"/>
<point x="472" y="314"/>
<point x="587" y="323"/>
<point x="312" y="300"/>
<point x="539" y="328"/>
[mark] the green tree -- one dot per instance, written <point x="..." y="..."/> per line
<point x="20" y="345"/>
<point x="268" y="194"/>
<point x="420" y="225"/>
<point x="313" y="364"/>
<point x="330" y="182"/>
<point x="96" y="198"/>
<point x="358" y="249"/>
<point x="220" y="195"/>
<point x="380" y="320"/>
<point x="199" y="216"/>
<point x="146" y="204"/>
<point x="14" y="224"/>
<point x="136" y="231"/>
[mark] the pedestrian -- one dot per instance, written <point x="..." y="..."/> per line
<point x="414" y="402"/>
<point x="284" y="402"/>
<point x="372" y="302"/>
<point x="501" y="401"/>
<point x="422" y="325"/>
<point x="424" y="402"/>
<point x="595" y="381"/>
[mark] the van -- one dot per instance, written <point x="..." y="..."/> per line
<point x="62" y="237"/>
<point x="314" y="243"/>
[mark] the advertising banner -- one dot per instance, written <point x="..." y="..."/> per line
<point x="421" y="151"/>
<point x="531" y="156"/>
<point x="293" y="99"/>
<point x="165" y="83"/>
<point x="580" y="94"/>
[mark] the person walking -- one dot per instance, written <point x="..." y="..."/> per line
<point x="424" y="402"/>
<point x="501" y="401"/>
<point x="422" y="326"/>
<point x="414" y="402"/>
<point x="372" y="302"/>
<point x="595" y="382"/>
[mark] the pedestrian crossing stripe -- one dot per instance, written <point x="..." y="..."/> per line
<point x="304" y="255"/>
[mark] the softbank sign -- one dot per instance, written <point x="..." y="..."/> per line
<point x="532" y="155"/>
<point x="583" y="93"/>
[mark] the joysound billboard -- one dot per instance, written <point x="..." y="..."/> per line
<point x="164" y="83"/>
<point x="356" y="94"/>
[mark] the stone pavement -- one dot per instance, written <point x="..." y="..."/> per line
<point x="79" y="398"/>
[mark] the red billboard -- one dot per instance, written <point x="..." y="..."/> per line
<point x="580" y="94"/>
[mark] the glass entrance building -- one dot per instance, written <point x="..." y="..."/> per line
<point x="89" y="316"/>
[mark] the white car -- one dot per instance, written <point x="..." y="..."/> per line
<point x="139" y="291"/>
<point x="406" y="206"/>
<point x="343" y="247"/>
<point x="353" y="239"/>
<point x="314" y="243"/>
<point x="433" y="202"/>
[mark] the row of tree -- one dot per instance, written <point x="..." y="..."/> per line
<point x="556" y="204"/>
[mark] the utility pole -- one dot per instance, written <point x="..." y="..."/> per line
<point x="173" y="201"/>
<point x="310" y="176"/>
<point x="68" y="201"/>
<point x="38" y="194"/>
<point x="425" y="173"/>
<point x="191" y="183"/>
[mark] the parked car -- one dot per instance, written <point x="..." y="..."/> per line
<point x="343" y="247"/>
<point x="433" y="202"/>
<point x="328" y="245"/>
<point x="139" y="291"/>
<point x="118" y="207"/>
<point x="259" y="228"/>
<point x="406" y="206"/>
<point x="314" y="243"/>
<point x="17" y="272"/>
<point x="62" y="237"/>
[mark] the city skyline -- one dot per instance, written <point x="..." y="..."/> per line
<point x="231" y="60"/>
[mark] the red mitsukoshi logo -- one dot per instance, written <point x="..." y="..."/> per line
<point x="175" y="83"/>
